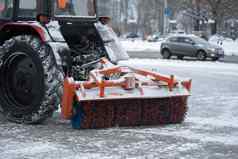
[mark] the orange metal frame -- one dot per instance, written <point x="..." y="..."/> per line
<point x="96" y="80"/>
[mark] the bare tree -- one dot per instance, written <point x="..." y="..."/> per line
<point x="150" y="13"/>
<point x="220" y="9"/>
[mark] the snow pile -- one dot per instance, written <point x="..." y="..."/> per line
<point x="230" y="46"/>
<point x="140" y="46"/>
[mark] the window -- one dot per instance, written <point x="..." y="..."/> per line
<point x="185" y="40"/>
<point x="173" y="39"/>
<point x="6" y="9"/>
<point x="27" y="8"/>
<point x="83" y="8"/>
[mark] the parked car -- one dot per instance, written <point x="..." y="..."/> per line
<point x="191" y="46"/>
<point x="132" y="36"/>
<point x="154" y="37"/>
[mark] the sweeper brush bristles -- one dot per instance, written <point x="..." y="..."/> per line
<point x="129" y="112"/>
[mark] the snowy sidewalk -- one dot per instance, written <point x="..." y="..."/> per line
<point x="230" y="59"/>
<point x="141" y="46"/>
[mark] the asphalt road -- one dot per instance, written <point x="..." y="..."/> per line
<point x="153" y="55"/>
<point x="210" y="130"/>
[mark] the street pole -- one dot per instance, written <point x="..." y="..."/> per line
<point x="165" y="16"/>
<point x="197" y="7"/>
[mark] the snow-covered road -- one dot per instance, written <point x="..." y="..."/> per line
<point x="210" y="130"/>
<point x="230" y="47"/>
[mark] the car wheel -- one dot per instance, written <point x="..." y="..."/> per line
<point x="166" y="54"/>
<point x="30" y="80"/>
<point x="180" y="57"/>
<point x="201" y="55"/>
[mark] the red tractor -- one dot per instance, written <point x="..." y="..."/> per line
<point x="45" y="41"/>
<point x="41" y="41"/>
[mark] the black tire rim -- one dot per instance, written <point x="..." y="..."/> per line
<point x="201" y="56"/>
<point x="22" y="83"/>
<point x="166" y="54"/>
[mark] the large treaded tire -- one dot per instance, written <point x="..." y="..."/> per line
<point x="29" y="95"/>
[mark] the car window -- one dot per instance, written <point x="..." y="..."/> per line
<point x="185" y="40"/>
<point x="27" y="8"/>
<point x="200" y="40"/>
<point x="173" y="39"/>
<point x="6" y="9"/>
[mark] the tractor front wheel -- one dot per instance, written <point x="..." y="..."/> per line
<point x="30" y="80"/>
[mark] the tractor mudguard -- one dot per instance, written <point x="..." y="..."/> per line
<point x="27" y="28"/>
<point x="61" y="52"/>
<point x="57" y="44"/>
<point x="111" y="42"/>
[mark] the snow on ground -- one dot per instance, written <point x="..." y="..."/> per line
<point x="209" y="131"/>
<point x="230" y="47"/>
<point x="141" y="46"/>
